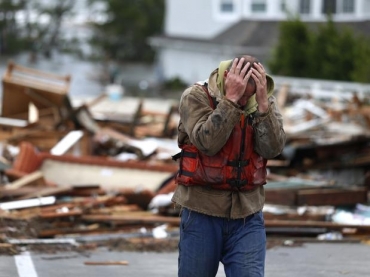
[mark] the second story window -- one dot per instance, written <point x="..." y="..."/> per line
<point x="227" y="6"/>
<point x="305" y="6"/>
<point x="348" y="6"/>
<point x="258" y="6"/>
<point x="329" y="7"/>
<point x="283" y="6"/>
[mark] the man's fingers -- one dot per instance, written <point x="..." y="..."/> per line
<point x="245" y="68"/>
<point x="239" y="66"/>
<point x="257" y="73"/>
<point x="260" y="66"/>
<point x="247" y="76"/>
<point x="233" y="66"/>
<point x="260" y="69"/>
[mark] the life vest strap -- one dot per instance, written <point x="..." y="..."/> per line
<point x="184" y="154"/>
<point x="238" y="163"/>
<point x="237" y="183"/>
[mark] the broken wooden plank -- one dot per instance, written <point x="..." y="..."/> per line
<point x="47" y="191"/>
<point x="21" y="204"/>
<point x="318" y="224"/>
<point x="139" y="218"/>
<point x="67" y="142"/>
<point x="334" y="197"/>
<point x="281" y="196"/>
<point x="13" y="122"/>
<point x="52" y="215"/>
<point x="35" y="178"/>
<point x="20" y="82"/>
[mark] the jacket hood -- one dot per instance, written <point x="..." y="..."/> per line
<point x="216" y="86"/>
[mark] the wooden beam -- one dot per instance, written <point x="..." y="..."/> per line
<point x="332" y="197"/>
<point x="35" y="178"/>
<point x="318" y="224"/>
<point x="287" y="197"/>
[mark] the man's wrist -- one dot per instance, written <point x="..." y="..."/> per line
<point x="263" y="108"/>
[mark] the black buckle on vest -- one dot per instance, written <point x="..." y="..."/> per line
<point x="237" y="183"/>
<point x="176" y="157"/>
<point x="238" y="163"/>
<point x="184" y="154"/>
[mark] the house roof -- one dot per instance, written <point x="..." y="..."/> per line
<point x="248" y="36"/>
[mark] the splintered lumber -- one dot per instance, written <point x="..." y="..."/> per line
<point x="13" y="122"/>
<point x="281" y="196"/>
<point x="67" y="142"/>
<point x="315" y="196"/>
<point x="313" y="224"/>
<point x="36" y="178"/>
<point x="51" y="215"/>
<point x="15" y="193"/>
<point x="21" y="204"/>
<point x="334" y="197"/>
<point x="282" y="96"/>
<point x="47" y="233"/>
<point x="137" y="218"/>
<point x="106" y="263"/>
<point x="22" y="85"/>
<point x="47" y="191"/>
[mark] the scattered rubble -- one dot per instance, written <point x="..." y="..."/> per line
<point x="100" y="171"/>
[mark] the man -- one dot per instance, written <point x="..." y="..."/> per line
<point x="229" y="126"/>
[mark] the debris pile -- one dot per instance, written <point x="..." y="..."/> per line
<point x="101" y="170"/>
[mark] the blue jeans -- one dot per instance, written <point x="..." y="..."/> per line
<point x="240" y="244"/>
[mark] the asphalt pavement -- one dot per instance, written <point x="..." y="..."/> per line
<point x="306" y="260"/>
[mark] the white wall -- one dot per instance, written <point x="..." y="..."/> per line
<point x="366" y="7"/>
<point x="194" y="18"/>
<point x="192" y="67"/>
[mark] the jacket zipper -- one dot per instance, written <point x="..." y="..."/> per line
<point x="242" y="145"/>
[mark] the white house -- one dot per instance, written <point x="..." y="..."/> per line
<point x="200" y="33"/>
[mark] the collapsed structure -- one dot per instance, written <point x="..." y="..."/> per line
<point x="104" y="166"/>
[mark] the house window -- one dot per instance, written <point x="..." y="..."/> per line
<point x="258" y="6"/>
<point x="283" y="6"/>
<point x="329" y="7"/>
<point x="227" y="6"/>
<point x="348" y="6"/>
<point x="304" y="6"/>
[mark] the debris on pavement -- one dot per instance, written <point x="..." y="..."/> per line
<point x="102" y="168"/>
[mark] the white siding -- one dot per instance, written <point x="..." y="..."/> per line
<point x="190" y="67"/>
<point x="202" y="19"/>
<point x="366" y="7"/>
<point x="195" y="19"/>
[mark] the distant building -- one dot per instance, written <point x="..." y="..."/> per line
<point x="198" y="34"/>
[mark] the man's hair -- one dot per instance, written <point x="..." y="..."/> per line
<point x="252" y="60"/>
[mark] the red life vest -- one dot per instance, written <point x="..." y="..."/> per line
<point x="235" y="167"/>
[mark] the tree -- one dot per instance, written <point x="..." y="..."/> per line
<point x="362" y="61"/>
<point x="10" y="37"/>
<point x="291" y="57"/>
<point x="28" y="32"/>
<point x="327" y="53"/>
<point x="332" y="53"/>
<point x="50" y="33"/>
<point x="130" y="22"/>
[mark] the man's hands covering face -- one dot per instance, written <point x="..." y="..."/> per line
<point x="236" y="80"/>
<point x="259" y="77"/>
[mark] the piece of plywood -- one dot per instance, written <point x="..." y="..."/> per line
<point x="334" y="197"/>
<point x="22" y="85"/>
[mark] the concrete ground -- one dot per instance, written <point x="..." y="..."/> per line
<point x="307" y="260"/>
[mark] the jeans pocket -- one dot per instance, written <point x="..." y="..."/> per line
<point x="259" y="216"/>
<point x="186" y="218"/>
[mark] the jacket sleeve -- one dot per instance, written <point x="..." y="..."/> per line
<point x="269" y="134"/>
<point x="207" y="129"/>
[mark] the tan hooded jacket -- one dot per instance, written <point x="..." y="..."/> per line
<point x="209" y="130"/>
